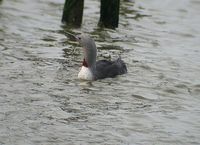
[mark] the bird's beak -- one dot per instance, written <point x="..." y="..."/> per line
<point x="71" y="35"/>
<point x="77" y="38"/>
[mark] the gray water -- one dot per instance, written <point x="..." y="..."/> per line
<point x="157" y="103"/>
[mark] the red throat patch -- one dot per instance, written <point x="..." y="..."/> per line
<point x="85" y="63"/>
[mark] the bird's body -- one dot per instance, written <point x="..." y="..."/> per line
<point x="92" y="70"/>
<point x="110" y="69"/>
<point x="85" y="74"/>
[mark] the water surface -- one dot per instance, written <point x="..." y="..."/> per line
<point x="157" y="102"/>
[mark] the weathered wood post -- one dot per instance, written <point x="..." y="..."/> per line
<point x="73" y="12"/>
<point x="109" y="13"/>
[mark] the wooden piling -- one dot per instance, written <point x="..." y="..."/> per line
<point x="73" y="12"/>
<point x="109" y="13"/>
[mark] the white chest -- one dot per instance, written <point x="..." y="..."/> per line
<point x="85" y="74"/>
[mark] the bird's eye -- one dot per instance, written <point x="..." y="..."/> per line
<point x="79" y="38"/>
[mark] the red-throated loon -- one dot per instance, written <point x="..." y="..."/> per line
<point x="92" y="70"/>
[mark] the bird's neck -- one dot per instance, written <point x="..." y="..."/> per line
<point x="85" y="64"/>
<point x="91" y="66"/>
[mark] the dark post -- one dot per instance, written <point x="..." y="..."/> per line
<point x="73" y="12"/>
<point x="109" y="13"/>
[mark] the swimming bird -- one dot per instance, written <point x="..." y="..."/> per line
<point x="94" y="70"/>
